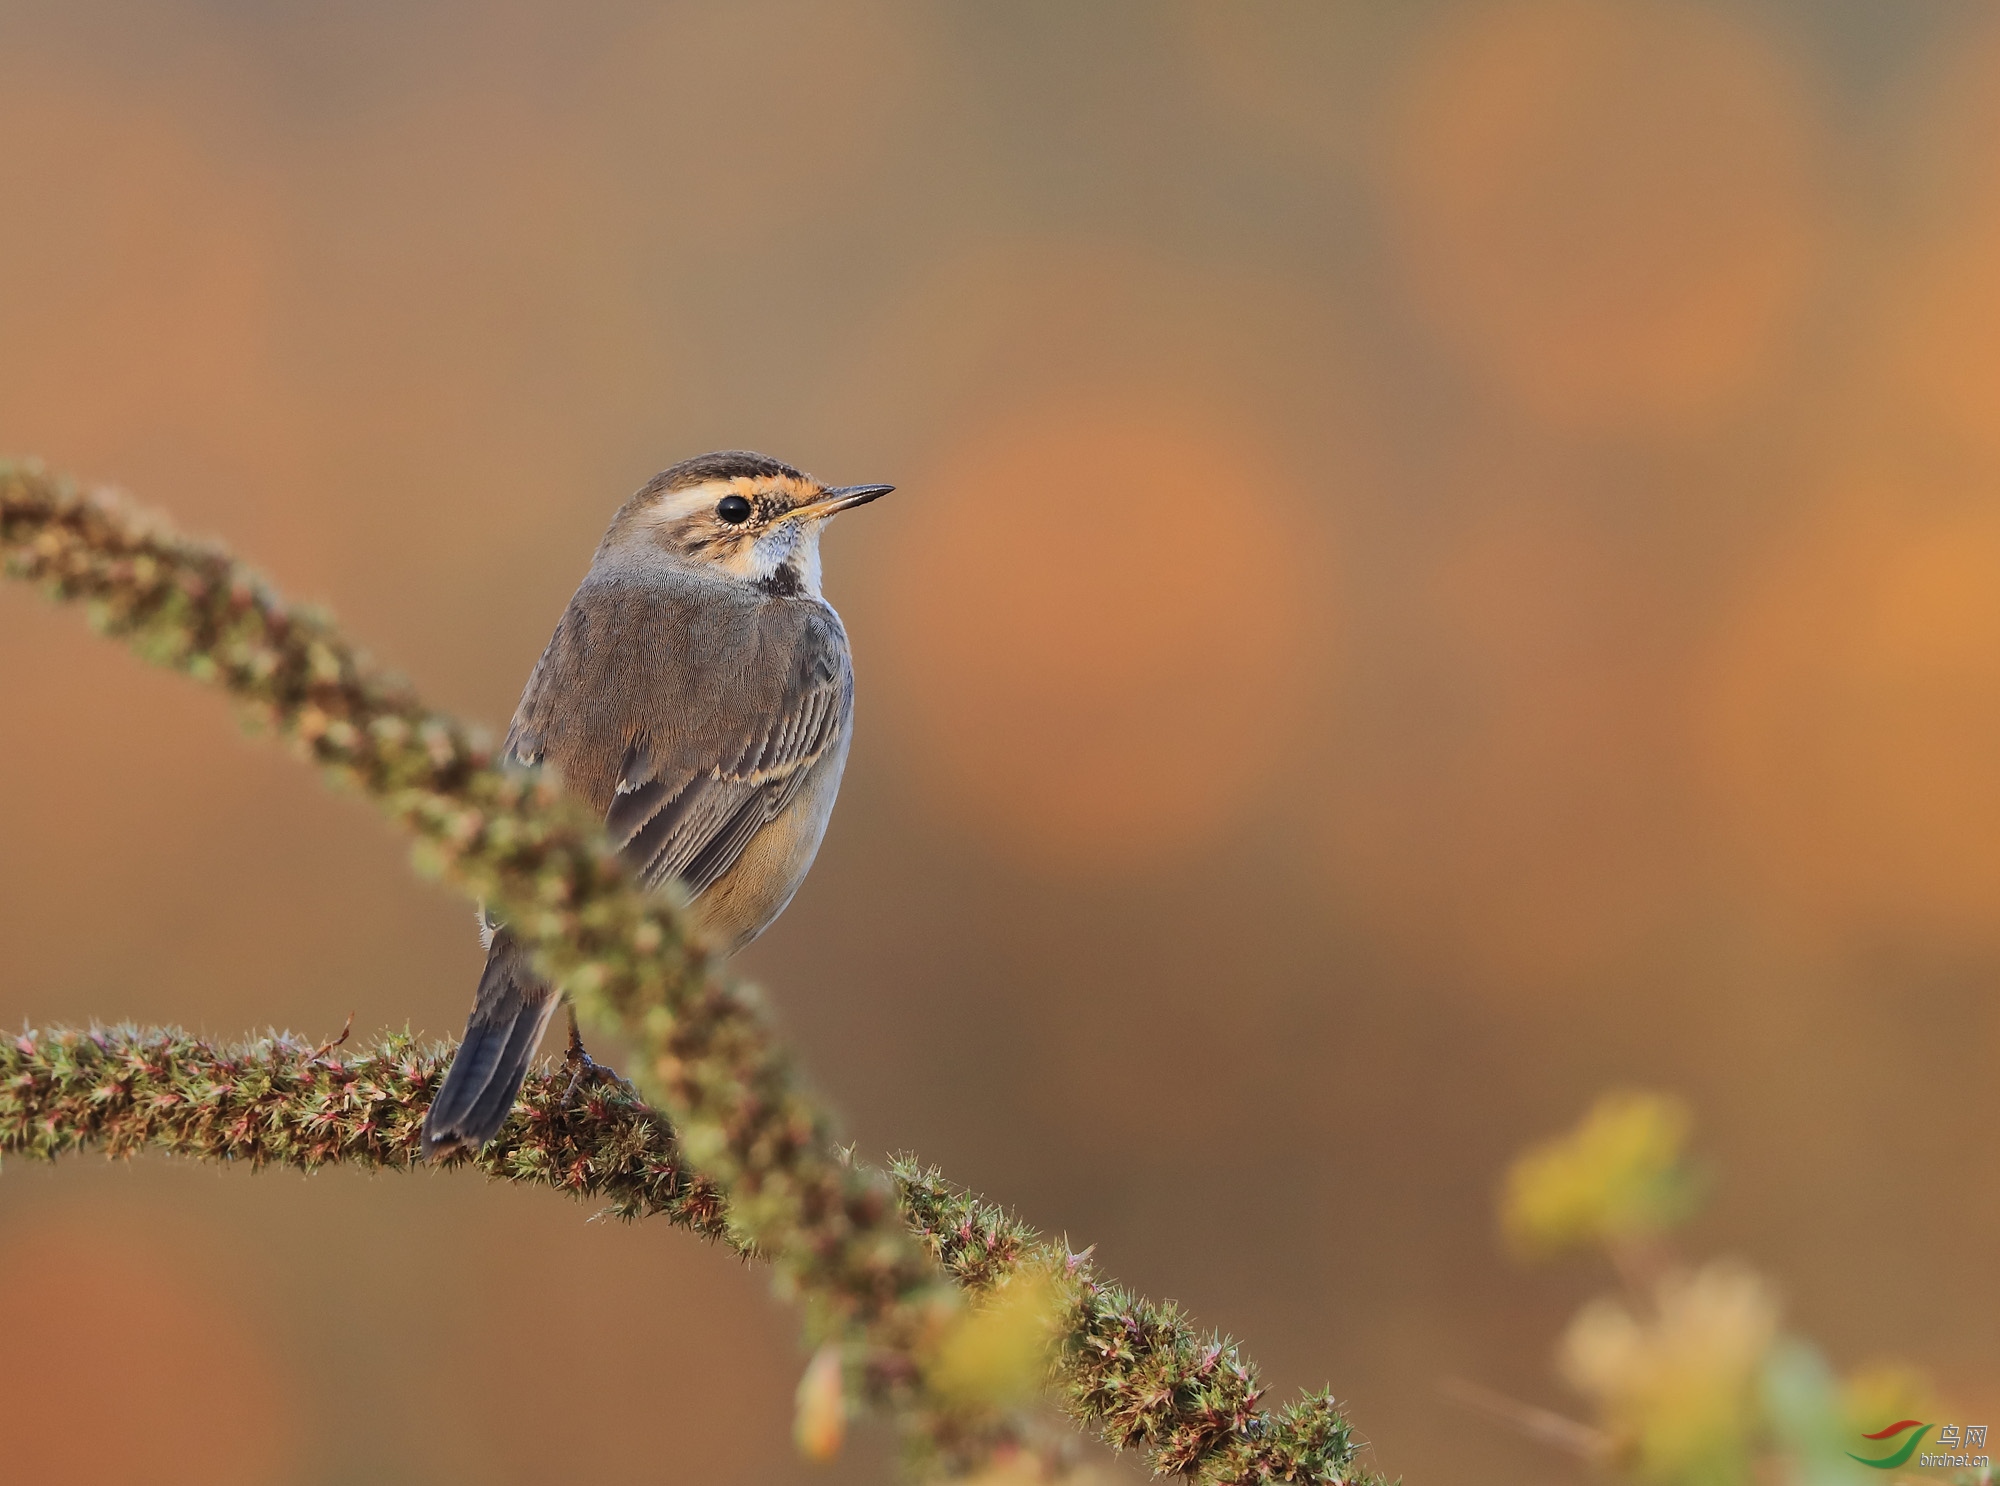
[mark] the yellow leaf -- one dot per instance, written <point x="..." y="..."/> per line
<point x="1618" y="1175"/>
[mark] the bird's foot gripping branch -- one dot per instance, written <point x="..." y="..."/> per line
<point x="890" y="1267"/>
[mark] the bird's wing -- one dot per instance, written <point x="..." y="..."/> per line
<point x="525" y="742"/>
<point x="703" y="776"/>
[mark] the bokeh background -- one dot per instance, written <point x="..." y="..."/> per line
<point x="1447" y="558"/>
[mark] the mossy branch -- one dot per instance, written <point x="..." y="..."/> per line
<point x="279" y="1101"/>
<point x="1138" y="1370"/>
<point x="749" y="1135"/>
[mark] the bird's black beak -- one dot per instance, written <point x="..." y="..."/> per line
<point x="842" y="498"/>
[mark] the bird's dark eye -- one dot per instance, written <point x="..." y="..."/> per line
<point x="734" y="509"/>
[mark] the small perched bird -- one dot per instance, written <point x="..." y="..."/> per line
<point x="698" y="694"/>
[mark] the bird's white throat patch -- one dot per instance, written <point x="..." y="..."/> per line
<point x="784" y="558"/>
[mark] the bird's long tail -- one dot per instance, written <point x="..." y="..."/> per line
<point x="509" y="1014"/>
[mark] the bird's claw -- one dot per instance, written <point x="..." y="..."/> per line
<point x="581" y="1065"/>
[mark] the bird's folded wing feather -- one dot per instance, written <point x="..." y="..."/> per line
<point x="672" y="817"/>
<point x="709" y="764"/>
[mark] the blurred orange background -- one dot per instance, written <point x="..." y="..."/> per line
<point x="1446" y="557"/>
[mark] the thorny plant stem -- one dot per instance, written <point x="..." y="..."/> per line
<point x="748" y="1132"/>
<point x="279" y="1101"/>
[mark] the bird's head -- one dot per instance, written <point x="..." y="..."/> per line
<point x="734" y="515"/>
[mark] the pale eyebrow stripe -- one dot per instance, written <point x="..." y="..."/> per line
<point x="683" y="503"/>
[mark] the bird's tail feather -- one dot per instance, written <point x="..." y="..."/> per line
<point x="509" y="1015"/>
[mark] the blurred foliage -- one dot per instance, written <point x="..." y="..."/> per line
<point x="1691" y="1377"/>
<point x="1675" y="1383"/>
<point x="999" y="1353"/>
<point x="819" y="1424"/>
<point x="1620" y="1175"/>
